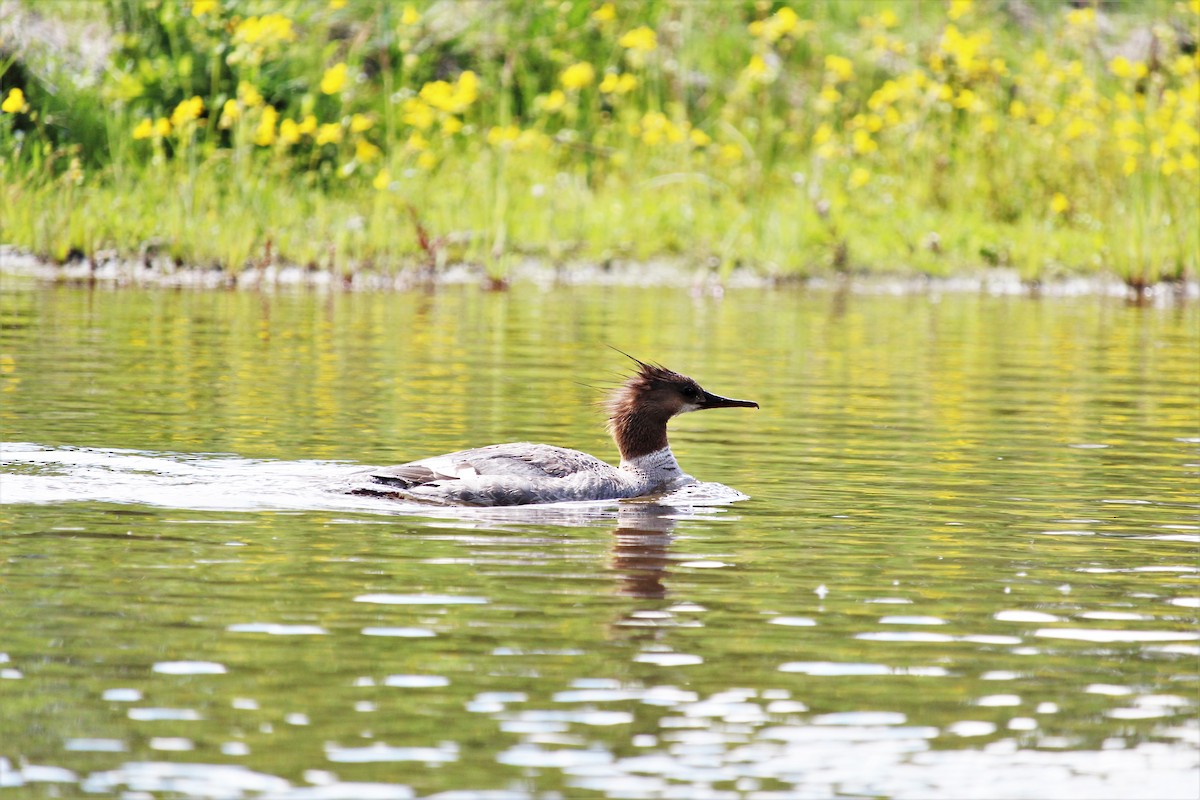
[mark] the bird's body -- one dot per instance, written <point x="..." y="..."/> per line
<point x="521" y="473"/>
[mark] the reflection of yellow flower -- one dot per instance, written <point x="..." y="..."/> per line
<point x="859" y="178"/>
<point x="15" y="102"/>
<point x="329" y="133"/>
<point x="334" y="79"/>
<point x="577" y="76"/>
<point x="643" y="39"/>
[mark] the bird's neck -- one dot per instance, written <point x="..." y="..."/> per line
<point x="639" y="434"/>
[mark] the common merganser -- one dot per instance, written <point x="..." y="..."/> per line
<point x="521" y="473"/>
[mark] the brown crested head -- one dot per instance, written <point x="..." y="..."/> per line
<point x="639" y="409"/>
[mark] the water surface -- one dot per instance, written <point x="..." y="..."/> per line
<point x="967" y="568"/>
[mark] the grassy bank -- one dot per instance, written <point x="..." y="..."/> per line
<point x="792" y="138"/>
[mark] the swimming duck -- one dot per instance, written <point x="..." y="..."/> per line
<point x="520" y="473"/>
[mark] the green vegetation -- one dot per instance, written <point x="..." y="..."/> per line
<point x="794" y="138"/>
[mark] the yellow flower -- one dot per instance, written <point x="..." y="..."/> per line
<point x="965" y="100"/>
<point x="1017" y="110"/>
<point x="729" y="154"/>
<point x="329" y="133"/>
<point x="427" y="160"/>
<point x="231" y="112"/>
<point x="859" y="178"/>
<point x="1082" y="17"/>
<point x="958" y="8"/>
<point x="15" y="102"/>
<point x="248" y="95"/>
<point x="605" y="13"/>
<point x="1188" y="162"/>
<point x="783" y="22"/>
<point x="162" y="127"/>
<point x="334" y="79"/>
<point x="830" y="95"/>
<point x="757" y="69"/>
<point x="1122" y="67"/>
<point x="577" y="76"/>
<point x="502" y="135"/>
<point x="618" y="83"/>
<point x="335" y="5"/>
<point x="822" y="134"/>
<point x="308" y="125"/>
<point x="699" y="138"/>
<point x="643" y="39"/>
<point x="409" y="16"/>
<point x="417" y="113"/>
<point x="264" y="135"/>
<point x="383" y="180"/>
<point x="289" y="131"/>
<point x="453" y="99"/>
<point x="863" y="143"/>
<point x="1130" y="165"/>
<point x="202" y="7"/>
<point x="265" y="30"/>
<point x="365" y="151"/>
<point x="187" y="111"/>
<point x="839" y="68"/>
<point x="451" y="126"/>
<point x="554" y="101"/>
<point x="1059" y="204"/>
<point x="888" y="18"/>
<point x="360" y="123"/>
<point x="144" y="129"/>
<point x="416" y="143"/>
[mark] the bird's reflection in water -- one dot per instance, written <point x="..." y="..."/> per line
<point x="641" y="542"/>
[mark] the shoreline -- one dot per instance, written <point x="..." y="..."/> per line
<point x="160" y="273"/>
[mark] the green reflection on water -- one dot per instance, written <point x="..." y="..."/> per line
<point x="1016" y="471"/>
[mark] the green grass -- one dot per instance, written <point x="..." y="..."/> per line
<point x="945" y="138"/>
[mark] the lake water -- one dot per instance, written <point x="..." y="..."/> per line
<point x="967" y="567"/>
